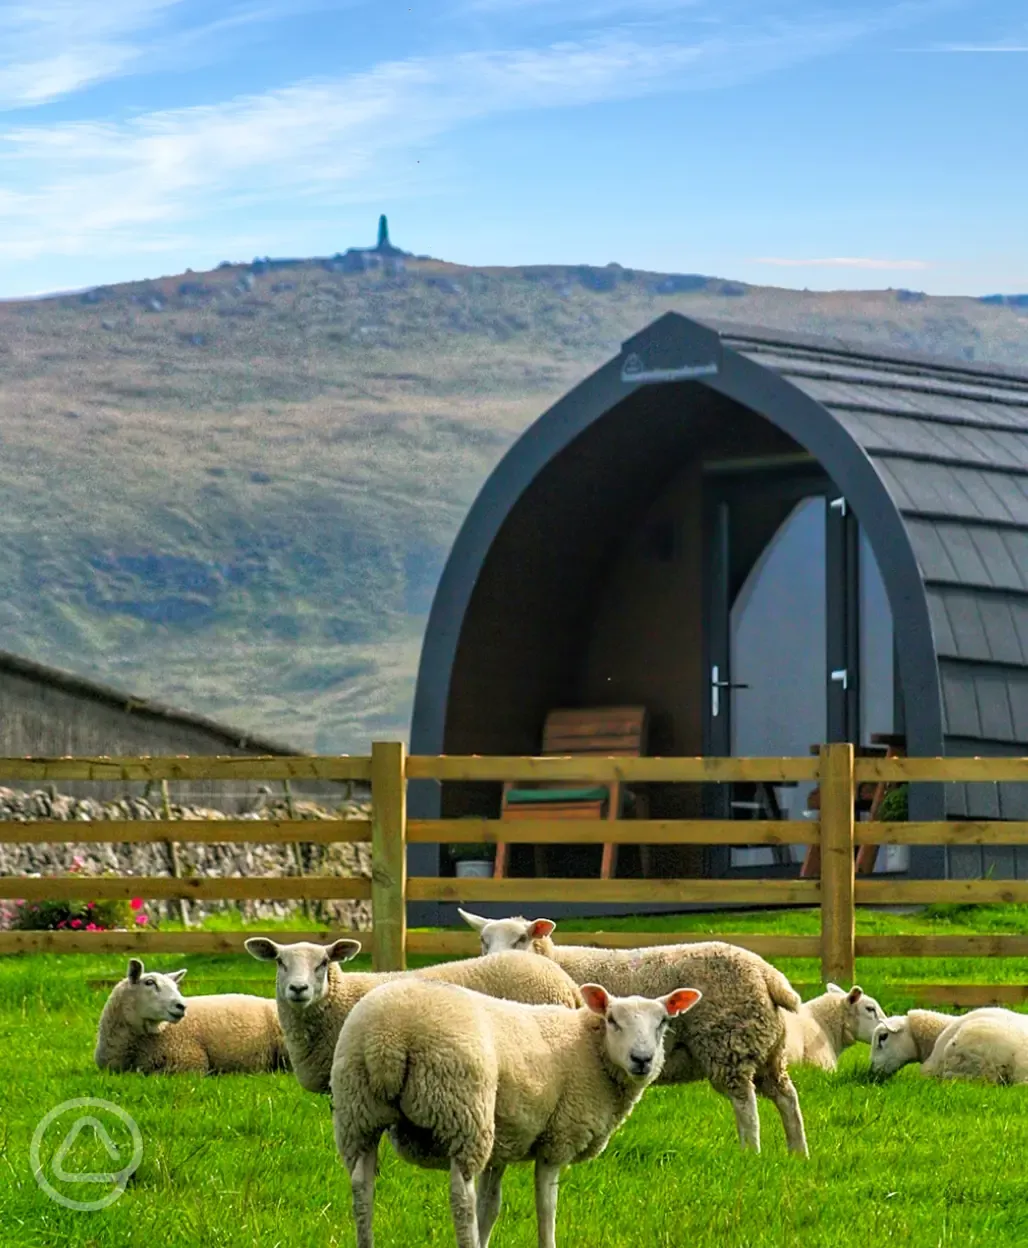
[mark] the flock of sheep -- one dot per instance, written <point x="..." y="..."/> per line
<point x="530" y="1052"/>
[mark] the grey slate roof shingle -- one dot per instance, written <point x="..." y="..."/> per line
<point x="950" y="441"/>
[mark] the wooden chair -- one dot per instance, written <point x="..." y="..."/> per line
<point x="870" y="796"/>
<point x="603" y="731"/>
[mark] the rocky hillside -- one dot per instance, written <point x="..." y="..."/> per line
<point x="234" y="491"/>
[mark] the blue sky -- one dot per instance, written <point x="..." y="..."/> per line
<point x="828" y="145"/>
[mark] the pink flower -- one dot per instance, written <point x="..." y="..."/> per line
<point x="141" y="920"/>
<point x="92" y="927"/>
<point x="76" y="922"/>
<point x="136" y="903"/>
<point x="90" y="905"/>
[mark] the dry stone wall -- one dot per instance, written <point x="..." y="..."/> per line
<point x="254" y="858"/>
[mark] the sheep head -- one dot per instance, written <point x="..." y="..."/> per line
<point x="892" y="1046"/>
<point x="302" y="978"/>
<point x="149" y="998"/>
<point x="499" y="935"/>
<point x="635" y="1026"/>
<point x="862" y="1013"/>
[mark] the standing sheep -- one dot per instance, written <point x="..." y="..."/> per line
<point x="828" y="1024"/>
<point x="148" y="1026"/>
<point x="917" y="1035"/>
<point x="488" y="1083"/>
<point x="314" y="997"/>
<point x="735" y="1038"/>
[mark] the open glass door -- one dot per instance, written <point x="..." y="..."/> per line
<point x="782" y="623"/>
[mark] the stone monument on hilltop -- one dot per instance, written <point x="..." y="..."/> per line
<point x="382" y="255"/>
<point x="384" y="247"/>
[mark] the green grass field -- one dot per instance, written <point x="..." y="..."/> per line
<point x="236" y="1161"/>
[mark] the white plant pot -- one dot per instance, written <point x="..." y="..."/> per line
<point x="475" y="868"/>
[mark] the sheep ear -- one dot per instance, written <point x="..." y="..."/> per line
<point x="836" y="989"/>
<point x="854" y="994"/>
<point x="895" y="1025"/>
<point x="177" y="976"/>
<point x="596" y="998"/>
<point x="135" y="970"/>
<point x="472" y="920"/>
<point x="261" y="948"/>
<point x="680" y="1000"/>
<point x="540" y="928"/>
<point x="343" y="950"/>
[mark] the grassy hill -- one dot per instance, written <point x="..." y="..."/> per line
<point x="235" y="491"/>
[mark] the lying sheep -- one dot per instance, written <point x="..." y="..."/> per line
<point x="148" y="1026"/>
<point x="991" y="1045"/>
<point x="905" y="1038"/>
<point x="828" y="1024"/>
<point x="735" y="1038"/>
<point x="481" y="1084"/>
<point x="314" y="996"/>
<point x="915" y="1036"/>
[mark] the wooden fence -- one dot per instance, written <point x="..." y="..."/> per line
<point x="837" y="892"/>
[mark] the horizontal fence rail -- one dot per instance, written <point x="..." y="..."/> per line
<point x="188" y="767"/>
<point x="162" y="942"/>
<point x="836" y="833"/>
<point x="590" y="768"/>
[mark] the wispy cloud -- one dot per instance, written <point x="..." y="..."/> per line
<point x="113" y="187"/>
<point x="49" y="48"/>
<point x="55" y="48"/>
<point x="843" y="262"/>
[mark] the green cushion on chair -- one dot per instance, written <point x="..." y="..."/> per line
<point x="557" y="795"/>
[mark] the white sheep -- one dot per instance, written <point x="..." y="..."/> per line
<point x="314" y="996"/>
<point x="826" y="1025"/>
<point x="735" y="1038"/>
<point x="991" y="1045"/>
<point x="921" y="1036"/>
<point x="480" y="1084"/>
<point x="148" y="1026"/>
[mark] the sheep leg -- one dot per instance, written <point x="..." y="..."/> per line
<point x="462" y="1206"/>
<point x="547" y="1178"/>
<point x="362" y="1187"/>
<point x="781" y="1091"/>
<point x="489" y="1195"/>
<point x="743" y="1096"/>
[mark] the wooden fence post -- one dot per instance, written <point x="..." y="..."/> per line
<point x="389" y="854"/>
<point x="838" y="927"/>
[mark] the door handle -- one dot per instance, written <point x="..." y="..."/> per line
<point x="716" y="685"/>
<point x="841" y="676"/>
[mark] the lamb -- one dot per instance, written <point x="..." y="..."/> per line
<point x="480" y="1084"/>
<point x="314" y="996"/>
<point x="735" y="1038"/>
<point x="828" y="1024"/>
<point x="148" y="1026"/>
<point x="991" y="1045"/>
<point x="918" y="1035"/>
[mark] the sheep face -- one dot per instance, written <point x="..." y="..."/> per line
<point x="635" y="1027"/>
<point x="150" y="998"/>
<point x="892" y="1046"/>
<point x="302" y="978"/>
<point x="863" y="1013"/>
<point x="499" y="935"/>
